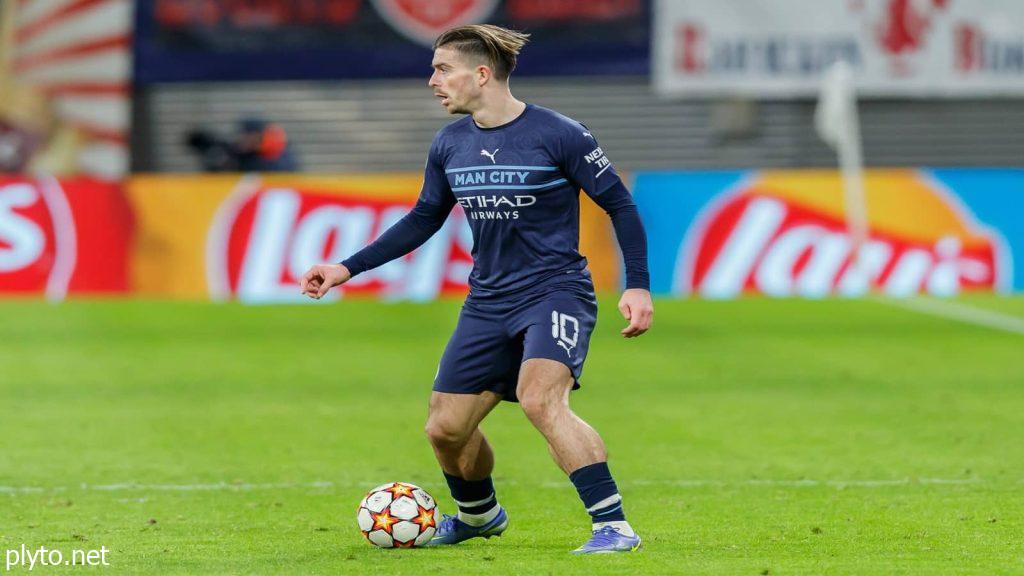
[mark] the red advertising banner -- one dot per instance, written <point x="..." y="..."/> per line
<point x="63" y="237"/>
<point x="261" y="244"/>
<point x="233" y="237"/>
<point x="783" y="233"/>
<point x="251" y="238"/>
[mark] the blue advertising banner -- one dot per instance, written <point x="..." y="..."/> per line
<point x="196" y="40"/>
<point x="784" y="234"/>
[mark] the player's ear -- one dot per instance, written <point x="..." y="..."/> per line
<point x="483" y="75"/>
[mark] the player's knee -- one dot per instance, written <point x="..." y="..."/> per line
<point x="444" y="434"/>
<point x="541" y="409"/>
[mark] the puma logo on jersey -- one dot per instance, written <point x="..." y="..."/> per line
<point x="568" y="349"/>
<point x="490" y="154"/>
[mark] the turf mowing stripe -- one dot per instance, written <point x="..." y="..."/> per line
<point x="959" y="312"/>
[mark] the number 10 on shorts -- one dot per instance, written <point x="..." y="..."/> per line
<point x="566" y="338"/>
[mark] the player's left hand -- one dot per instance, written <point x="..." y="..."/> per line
<point x="637" y="308"/>
<point x="322" y="277"/>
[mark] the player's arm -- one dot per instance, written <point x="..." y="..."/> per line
<point x="590" y="169"/>
<point x="427" y="216"/>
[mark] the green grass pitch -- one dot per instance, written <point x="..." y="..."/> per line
<point x="757" y="437"/>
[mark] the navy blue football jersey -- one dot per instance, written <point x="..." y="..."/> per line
<point x="519" y="186"/>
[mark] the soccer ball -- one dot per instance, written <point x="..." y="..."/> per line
<point x="397" y="515"/>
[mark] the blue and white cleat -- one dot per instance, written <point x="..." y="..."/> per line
<point x="608" y="540"/>
<point x="451" y="530"/>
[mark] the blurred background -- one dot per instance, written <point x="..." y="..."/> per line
<point x="831" y="386"/>
<point x="114" y="113"/>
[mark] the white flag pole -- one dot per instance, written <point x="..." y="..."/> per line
<point x="838" y="125"/>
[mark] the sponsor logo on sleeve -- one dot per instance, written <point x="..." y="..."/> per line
<point x="598" y="160"/>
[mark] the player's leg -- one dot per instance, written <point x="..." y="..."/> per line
<point x="555" y="346"/>
<point x="453" y="427"/>
<point x="465" y="457"/>
<point x="466" y="389"/>
<point x="543" y="393"/>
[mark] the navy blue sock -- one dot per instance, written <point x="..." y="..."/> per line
<point x="598" y="491"/>
<point x="472" y="496"/>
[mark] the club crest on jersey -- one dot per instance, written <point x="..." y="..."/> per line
<point x="424" y="20"/>
<point x="490" y="154"/>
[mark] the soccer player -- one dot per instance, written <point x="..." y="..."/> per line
<point x="523" y="332"/>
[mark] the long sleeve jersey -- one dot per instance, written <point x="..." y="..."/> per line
<point x="519" y="185"/>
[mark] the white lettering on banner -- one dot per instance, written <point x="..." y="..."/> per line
<point x="910" y="270"/>
<point x="896" y="47"/>
<point x="777" y="55"/>
<point x="27" y="240"/>
<point x="811" y="260"/>
<point x="757" y="225"/>
<point x="774" y="275"/>
<point x="828" y="251"/>
<point x="978" y="50"/>
<point x="282" y="244"/>
<point x="418" y="278"/>
<point x="24" y="238"/>
<point x="351" y="227"/>
<point x="824" y="265"/>
<point x="945" y="278"/>
<point x="873" y="257"/>
<point x="265" y="255"/>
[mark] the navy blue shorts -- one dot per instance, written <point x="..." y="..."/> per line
<point x="495" y="336"/>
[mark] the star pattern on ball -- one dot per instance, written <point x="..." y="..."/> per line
<point x="397" y="515"/>
<point x="383" y="521"/>
<point x="399" y="489"/>
<point x="425" y="519"/>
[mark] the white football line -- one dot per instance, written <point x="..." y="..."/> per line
<point x="682" y="483"/>
<point x="958" y="311"/>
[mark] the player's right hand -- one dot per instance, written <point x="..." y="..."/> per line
<point x="322" y="277"/>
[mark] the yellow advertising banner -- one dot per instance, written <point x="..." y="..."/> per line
<point x="173" y="215"/>
<point x="251" y="237"/>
